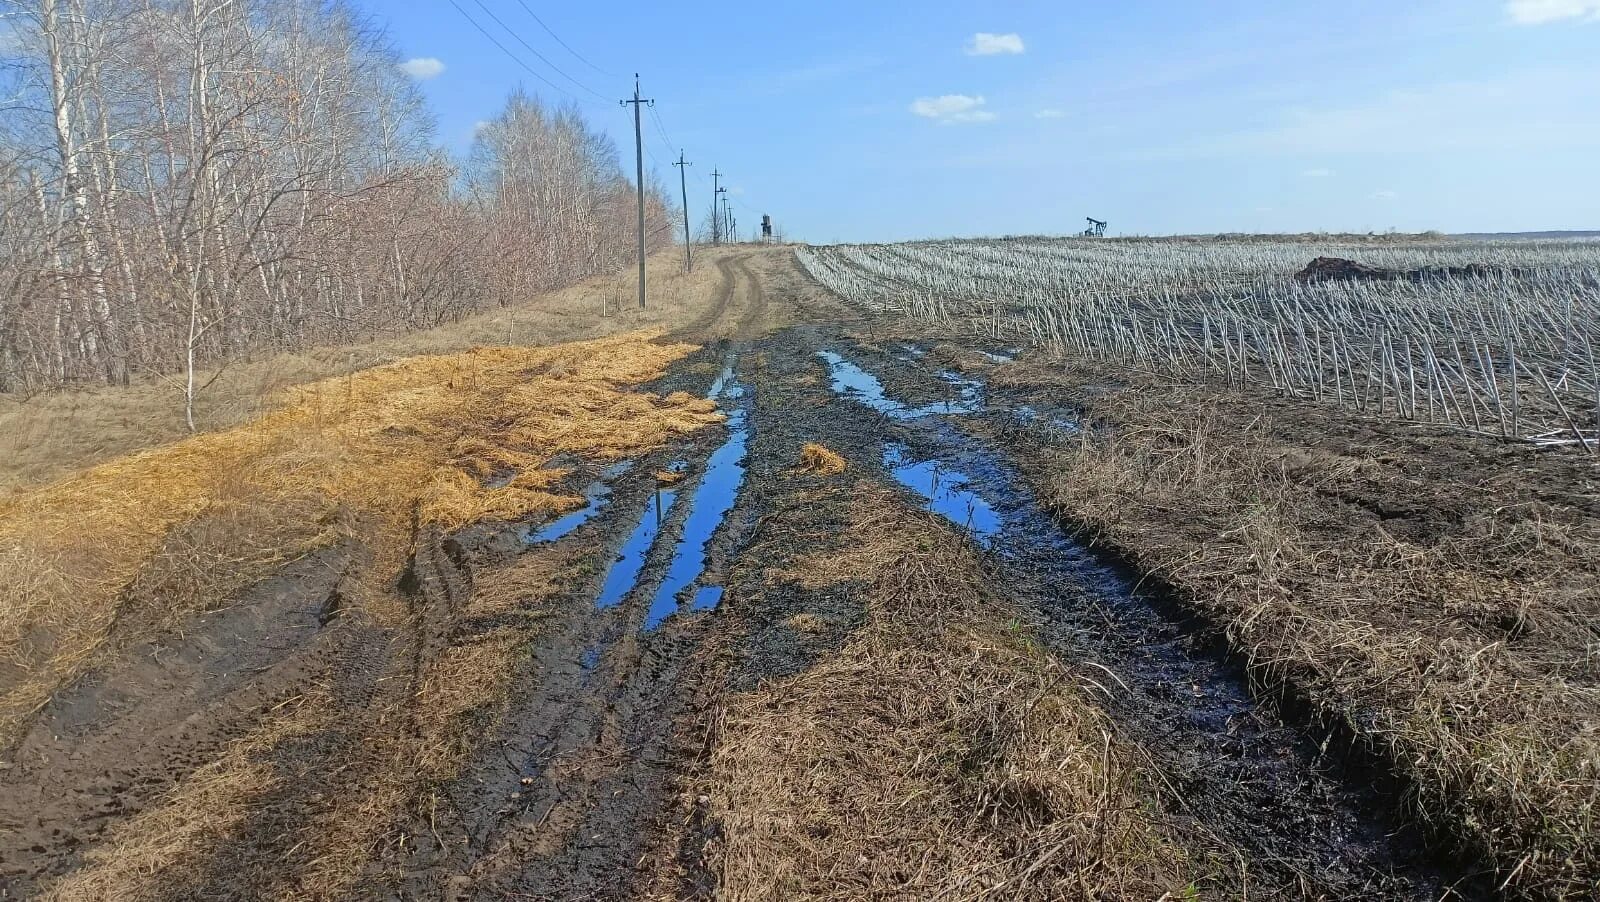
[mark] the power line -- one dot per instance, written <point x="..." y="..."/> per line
<point x="660" y="127"/>
<point x="743" y="204"/>
<point x="564" y="43"/>
<point x="541" y="57"/>
<point x="514" y="58"/>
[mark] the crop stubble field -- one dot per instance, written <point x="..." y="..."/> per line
<point x="1510" y="350"/>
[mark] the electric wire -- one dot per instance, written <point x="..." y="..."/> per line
<point x="514" y="58"/>
<point x="661" y="129"/>
<point x="655" y="116"/>
<point x="557" y="37"/>
<point x="541" y="57"/>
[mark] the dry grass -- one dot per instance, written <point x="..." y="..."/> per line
<point x="354" y="453"/>
<point x="45" y="437"/>
<point x="939" y="754"/>
<point x="1443" y="608"/>
<point x="820" y="460"/>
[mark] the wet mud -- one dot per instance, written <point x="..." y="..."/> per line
<point x="588" y="782"/>
<point x="1232" y="764"/>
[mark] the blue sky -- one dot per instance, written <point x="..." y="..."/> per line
<point x="883" y="121"/>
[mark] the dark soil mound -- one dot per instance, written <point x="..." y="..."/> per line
<point x="1338" y="269"/>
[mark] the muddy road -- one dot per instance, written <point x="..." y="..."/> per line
<point x="625" y="627"/>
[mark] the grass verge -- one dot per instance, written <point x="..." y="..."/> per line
<point x="938" y="753"/>
<point x="138" y="543"/>
<point x="48" y="436"/>
<point x="1434" y="594"/>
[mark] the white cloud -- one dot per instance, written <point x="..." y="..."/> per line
<point x="1318" y="173"/>
<point x="951" y="108"/>
<point x="1385" y="195"/>
<point x="985" y="44"/>
<point x="422" y="67"/>
<point x="1048" y="114"/>
<point x="480" y="125"/>
<point x="1540" y="12"/>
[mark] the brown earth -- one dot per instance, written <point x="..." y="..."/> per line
<point x="1338" y="269"/>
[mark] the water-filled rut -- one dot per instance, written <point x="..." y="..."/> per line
<point x="1231" y="765"/>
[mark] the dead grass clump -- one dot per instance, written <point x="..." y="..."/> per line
<point x="820" y="460"/>
<point x="806" y="622"/>
<point x="377" y="445"/>
<point x="939" y="754"/>
<point x="1443" y="623"/>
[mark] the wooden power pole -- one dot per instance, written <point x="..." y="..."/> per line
<point x="638" y="157"/>
<point x="719" y="213"/>
<point x="683" y="186"/>
<point x="716" y="216"/>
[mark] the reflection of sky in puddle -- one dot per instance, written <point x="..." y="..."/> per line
<point x="713" y="498"/>
<point x="722" y="380"/>
<point x="1027" y="414"/>
<point x="624" y="574"/>
<point x="1007" y="356"/>
<point x="910" y="354"/>
<point x="706" y="598"/>
<point x="862" y="386"/>
<point x="596" y="496"/>
<point x="942" y="486"/>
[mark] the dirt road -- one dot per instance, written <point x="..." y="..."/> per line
<point x="590" y="680"/>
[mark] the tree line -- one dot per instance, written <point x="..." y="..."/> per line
<point x="184" y="182"/>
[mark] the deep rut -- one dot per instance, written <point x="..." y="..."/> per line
<point x="1231" y="766"/>
<point x="565" y="801"/>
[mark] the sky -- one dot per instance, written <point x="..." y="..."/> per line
<point x="879" y="121"/>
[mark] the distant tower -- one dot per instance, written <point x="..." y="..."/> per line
<point x="766" y="227"/>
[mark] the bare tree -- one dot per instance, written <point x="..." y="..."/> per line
<point x="183" y="182"/>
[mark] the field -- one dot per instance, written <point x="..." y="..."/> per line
<point x="1010" y="569"/>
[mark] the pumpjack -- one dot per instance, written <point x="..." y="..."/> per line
<point x="1096" y="229"/>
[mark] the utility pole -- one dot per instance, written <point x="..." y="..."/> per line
<point x="683" y="186"/>
<point x="638" y="157"/>
<point x="719" y="204"/>
<point x="727" y="220"/>
<point x="716" y="221"/>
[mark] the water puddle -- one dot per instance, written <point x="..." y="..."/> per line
<point x="1009" y="355"/>
<point x="1064" y="425"/>
<point x="596" y="496"/>
<point x="910" y="353"/>
<point x="624" y="573"/>
<point x="706" y="598"/>
<point x="723" y="381"/>
<point x="856" y="383"/>
<point x="942" y="487"/>
<point x="713" y="498"/>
